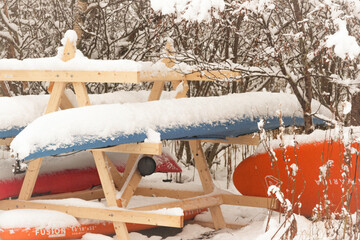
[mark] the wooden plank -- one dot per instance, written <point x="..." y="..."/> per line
<point x="132" y="160"/>
<point x="134" y="148"/>
<point x="105" y="178"/>
<point x="106" y="214"/>
<point x="70" y="76"/>
<point x="206" y="181"/>
<point x="212" y="75"/>
<point x="6" y="141"/>
<point x="69" y="51"/>
<point x="242" y="140"/>
<point x="89" y="194"/>
<point x="201" y="166"/>
<point x="65" y="102"/>
<point x="156" y="91"/>
<point x="82" y="96"/>
<point x="92" y="194"/>
<point x="170" y="193"/>
<point x="250" y="201"/>
<point x="201" y="202"/>
<point x="211" y="224"/>
<point x="102" y="165"/>
<point x="160" y="76"/>
<point x="31" y="175"/>
<point x="55" y="97"/>
<point x="130" y="186"/>
<point x="117" y="178"/>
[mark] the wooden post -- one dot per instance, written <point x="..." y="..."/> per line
<point x="30" y="179"/>
<point x="81" y="94"/>
<point x="206" y="181"/>
<point x="132" y="160"/>
<point x="109" y="191"/>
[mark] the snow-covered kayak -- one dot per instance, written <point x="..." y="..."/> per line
<point x="107" y="125"/>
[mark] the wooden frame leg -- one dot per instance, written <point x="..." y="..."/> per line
<point x="206" y="181"/>
<point x="107" y="183"/>
<point x="156" y="90"/>
<point x="130" y="187"/>
<point x="117" y="178"/>
<point x="81" y="94"/>
<point x="55" y="97"/>
<point x="30" y="179"/>
<point x="132" y="160"/>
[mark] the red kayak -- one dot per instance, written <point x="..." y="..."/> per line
<point x="254" y="175"/>
<point x="71" y="180"/>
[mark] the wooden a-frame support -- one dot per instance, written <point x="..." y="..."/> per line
<point x="118" y="189"/>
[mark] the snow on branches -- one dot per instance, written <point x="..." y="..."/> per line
<point x="194" y="10"/>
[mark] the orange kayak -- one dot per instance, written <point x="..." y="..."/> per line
<point x="75" y="232"/>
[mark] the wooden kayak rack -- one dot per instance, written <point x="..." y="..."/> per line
<point x="118" y="188"/>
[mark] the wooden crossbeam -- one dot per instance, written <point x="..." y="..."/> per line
<point x="106" y="214"/>
<point x="69" y="76"/>
<point x="250" y="201"/>
<point x="32" y="173"/>
<point x="206" y="181"/>
<point x="212" y="75"/>
<point x="107" y="182"/>
<point x="82" y="96"/>
<point x="211" y="224"/>
<point x="55" y="97"/>
<point x="134" y="148"/>
<point x="242" y="140"/>
<point x="92" y="194"/>
<point x="201" y="202"/>
<point x="129" y="187"/>
<point x="6" y="141"/>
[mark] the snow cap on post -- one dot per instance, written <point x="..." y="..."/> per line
<point x="69" y="42"/>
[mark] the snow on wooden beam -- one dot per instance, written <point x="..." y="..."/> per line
<point x="135" y="148"/>
<point x="105" y="214"/>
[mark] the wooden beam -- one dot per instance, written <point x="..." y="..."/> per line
<point x="65" y="102"/>
<point x="6" y="141"/>
<point x="243" y="140"/>
<point x="156" y="91"/>
<point x="170" y="193"/>
<point x="31" y="175"/>
<point x="206" y="181"/>
<point x="55" y="97"/>
<point x="129" y="187"/>
<point x="82" y="96"/>
<point x="70" y="76"/>
<point x="89" y="194"/>
<point x="117" y="178"/>
<point x="106" y="179"/>
<point x="132" y="160"/>
<point x="106" y="214"/>
<point x="92" y="194"/>
<point x="201" y="202"/>
<point x="250" y="201"/>
<point x="102" y="166"/>
<point x="211" y="224"/>
<point x="134" y="148"/>
<point x="212" y="75"/>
